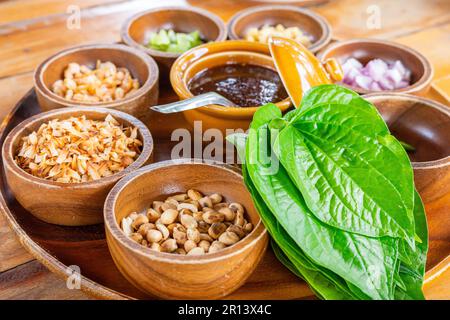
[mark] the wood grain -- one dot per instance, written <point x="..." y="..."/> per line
<point x="350" y="18"/>
<point x="17" y="10"/>
<point x="35" y="282"/>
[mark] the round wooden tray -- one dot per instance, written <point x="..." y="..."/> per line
<point x="58" y="247"/>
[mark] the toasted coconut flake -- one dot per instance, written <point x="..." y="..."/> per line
<point x="78" y="149"/>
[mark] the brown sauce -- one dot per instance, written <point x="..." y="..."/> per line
<point x="245" y="85"/>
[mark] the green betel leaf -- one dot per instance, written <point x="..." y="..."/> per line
<point x="324" y="283"/>
<point x="352" y="173"/>
<point x="412" y="266"/>
<point x="367" y="263"/>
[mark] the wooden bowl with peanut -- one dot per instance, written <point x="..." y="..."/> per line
<point x="61" y="164"/>
<point x="184" y="229"/>
<point x="112" y="76"/>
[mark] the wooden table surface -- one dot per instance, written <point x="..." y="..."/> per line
<point x="31" y="30"/>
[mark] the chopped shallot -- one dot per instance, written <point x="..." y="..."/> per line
<point x="376" y="75"/>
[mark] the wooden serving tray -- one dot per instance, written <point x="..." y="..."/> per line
<point x="58" y="247"/>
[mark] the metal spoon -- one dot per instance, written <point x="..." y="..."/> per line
<point x="193" y="103"/>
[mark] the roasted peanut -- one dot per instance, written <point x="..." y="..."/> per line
<point x="155" y="246"/>
<point x="239" y="219"/>
<point x="164" y="231"/>
<point x="167" y="205"/>
<point x="189" y="245"/>
<point x="180" y="251"/>
<point x="136" y="237"/>
<point x="157" y="206"/>
<point x="154" y="236"/>
<point x="248" y="227"/>
<point x="215" y="198"/>
<point x="216" y="246"/>
<point x="228" y="213"/>
<point x="212" y="217"/>
<point x="141" y="219"/>
<point x="170" y="245"/>
<point x="188" y="221"/>
<point x="143" y="229"/>
<point x="191" y="207"/>
<point x="180" y="236"/>
<point x="196" y="251"/>
<point x="237" y="230"/>
<point x="180" y="197"/>
<point x="169" y="216"/>
<point x="194" y="194"/>
<point x="229" y="238"/>
<point x="205" y="245"/>
<point x="193" y="234"/>
<point x="153" y="214"/>
<point x="205" y="202"/>
<point x="205" y="236"/>
<point x="216" y="229"/>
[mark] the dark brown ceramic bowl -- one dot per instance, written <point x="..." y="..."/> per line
<point x="424" y="124"/>
<point x="365" y="50"/>
<point x="136" y="30"/>
<point x="289" y="16"/>
<point x="173" y="276"/>
<point x="138" y="63"/>
<point x="68" y="204"/>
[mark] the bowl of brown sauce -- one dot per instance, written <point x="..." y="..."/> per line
<point x="241" y="71"/>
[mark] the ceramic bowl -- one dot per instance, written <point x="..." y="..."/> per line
<point x="138" y="63"/>
<point x="212" y="55"/>
<point x="289" y="16"/>
<point x="137" y="29"/>
<point x="173" y="276"/>
<point x="365" y="50"/>
<point x="68" y="204"/>
<point x="424" y="124"/>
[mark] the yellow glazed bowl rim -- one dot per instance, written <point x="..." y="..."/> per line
<point x="182" y="64"/>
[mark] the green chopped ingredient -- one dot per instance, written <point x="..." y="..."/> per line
<point x="171" y="41"/>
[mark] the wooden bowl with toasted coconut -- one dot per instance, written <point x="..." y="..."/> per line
<point x="141" y="67"/>
<point x="61" y="203"/>
<point x="171" y="275"/>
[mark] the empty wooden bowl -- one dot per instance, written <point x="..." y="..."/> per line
<point x="365" y="50"/>
<point x="138" y="63"/>
<point x="308" y="21"/>
<point x="68" y="204"/>
<point x="424" y="124"/>
<point x="173" y="276"/>
<point x="137" y="29"/>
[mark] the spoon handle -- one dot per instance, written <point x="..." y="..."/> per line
<point x="193" y="103"/>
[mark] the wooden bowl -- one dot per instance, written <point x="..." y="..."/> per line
<point x="215" y="54"/>
<point x="365" y="50"/>
<point x="172" y="276"/>
<point x="289" y="16"/>
<point x="137" y="29"/>
<point x="425" y="124"/>
<point x="139" y="64"/>
<point x="68" y="204"/>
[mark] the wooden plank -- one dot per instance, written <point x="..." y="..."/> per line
<point x="32" y="281"/>
<point x="16" y="10"/>
<point x="433" y="43"/>
<point x="12" y="253"/>
<point x="25" y="47"/>
<point x="352" y="19"/>
<point x="12" y="88"/>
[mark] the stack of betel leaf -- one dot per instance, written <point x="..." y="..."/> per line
<point x="335" y="190"/>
